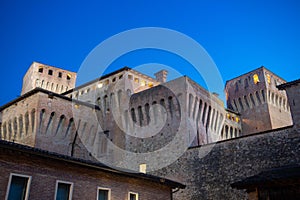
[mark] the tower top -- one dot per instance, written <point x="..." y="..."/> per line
<point x="48" y="77"/>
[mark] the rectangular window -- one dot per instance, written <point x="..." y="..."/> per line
<point x="63" y="190"/>
<point x="50" y="72"/>
<point x="18" y="187"/>
<point x="59" y="74"/>
<point x="133" y="196"/>
<point x="41" y="69"/>
<point x="103" y="194"/>
<point x="136" y="80"/>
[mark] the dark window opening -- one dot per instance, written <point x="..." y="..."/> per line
<point x="103" y="194"/>
<point x="50" y="72"/>
<point x="63" y="191"/>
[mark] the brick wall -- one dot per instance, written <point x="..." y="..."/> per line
<point x="45" y="172"/>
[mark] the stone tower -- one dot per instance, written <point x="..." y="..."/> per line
<point x="262" y="106"/>
<point x="47" y="77"/>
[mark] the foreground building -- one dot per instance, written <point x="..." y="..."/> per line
<point x="31" y="173"/>
<point x="216" y="146"/>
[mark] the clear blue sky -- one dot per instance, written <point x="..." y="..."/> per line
<point x="238" y="35"/>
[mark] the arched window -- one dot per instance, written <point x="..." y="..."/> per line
<point x="42" y="117"/>
<point x="154" y="111"/>
<point x="273" y="98"/>
<point x="49" y="128"/>
<point x="246" y="84"/>
<point x="21" y="126"/>
<point x="191" y="98"/>
<point x="170" y="103"/>
<point x="15" y="126"/>
<point x="204" y="112"/>
<point x="246" y="101"/>
<point x="208" y="118"/>
<point x="128" y="92"/>
<point x="60" y="125"/>
<point x="258" y="97"/>
<point x="241" y="104"/>
<point x="195" y="107"/>
<point x="255" y="79"/>
<point x="33" y="119"/>
<point x="263" y="95"/>
<point x="133" y="115"/>
<point x="119" y="97"/>
<point x="26" y="122"/>
<point x="147" y="110"/>
<point x="37" y="83"/>
<point x="105" y="103"/>
<point x="252" y="99"/>
<point x="199" y="111"/>
<point x="236" y="87"/>
<point x="227" y="132"/>
<point x="70" y="126"/>
<point x="140" y="113"/>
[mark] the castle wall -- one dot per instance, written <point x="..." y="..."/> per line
<point x="293" y="92"/>
<point x="19" y="121"/>
<point x="232" y="126"/>
<point x="210" y="177"/>
<point x="47" y="121"/>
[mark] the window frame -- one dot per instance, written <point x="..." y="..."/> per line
<point x="137" y="195"/>
<point x="27" y="187"/>
<point x="103" y="188"/>
<point x="65" y="182"/>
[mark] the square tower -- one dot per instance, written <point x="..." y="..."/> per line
<point x="47" y="77"/>
<point x="262" y="106"/>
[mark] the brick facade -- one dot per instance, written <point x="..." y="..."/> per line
<point x="46" y="168"/>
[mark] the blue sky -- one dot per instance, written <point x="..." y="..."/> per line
<point x="239" y="35"/>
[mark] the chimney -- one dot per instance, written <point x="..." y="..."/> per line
<point x="161" y="76"/>
<point x="293" y="93"/>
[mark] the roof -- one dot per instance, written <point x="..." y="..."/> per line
<point x="232" y="111"/>
<point x="58" y="68"/>
<point x="260" y="68"/>
<point x="50" y="93"/>
<point x="288" y="84"/>
<point x="286" y="175"/>
<point x="86" y="163"/>
<point x="106" y="76"/>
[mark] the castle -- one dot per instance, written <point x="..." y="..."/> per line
<point x="138" y="114"/>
